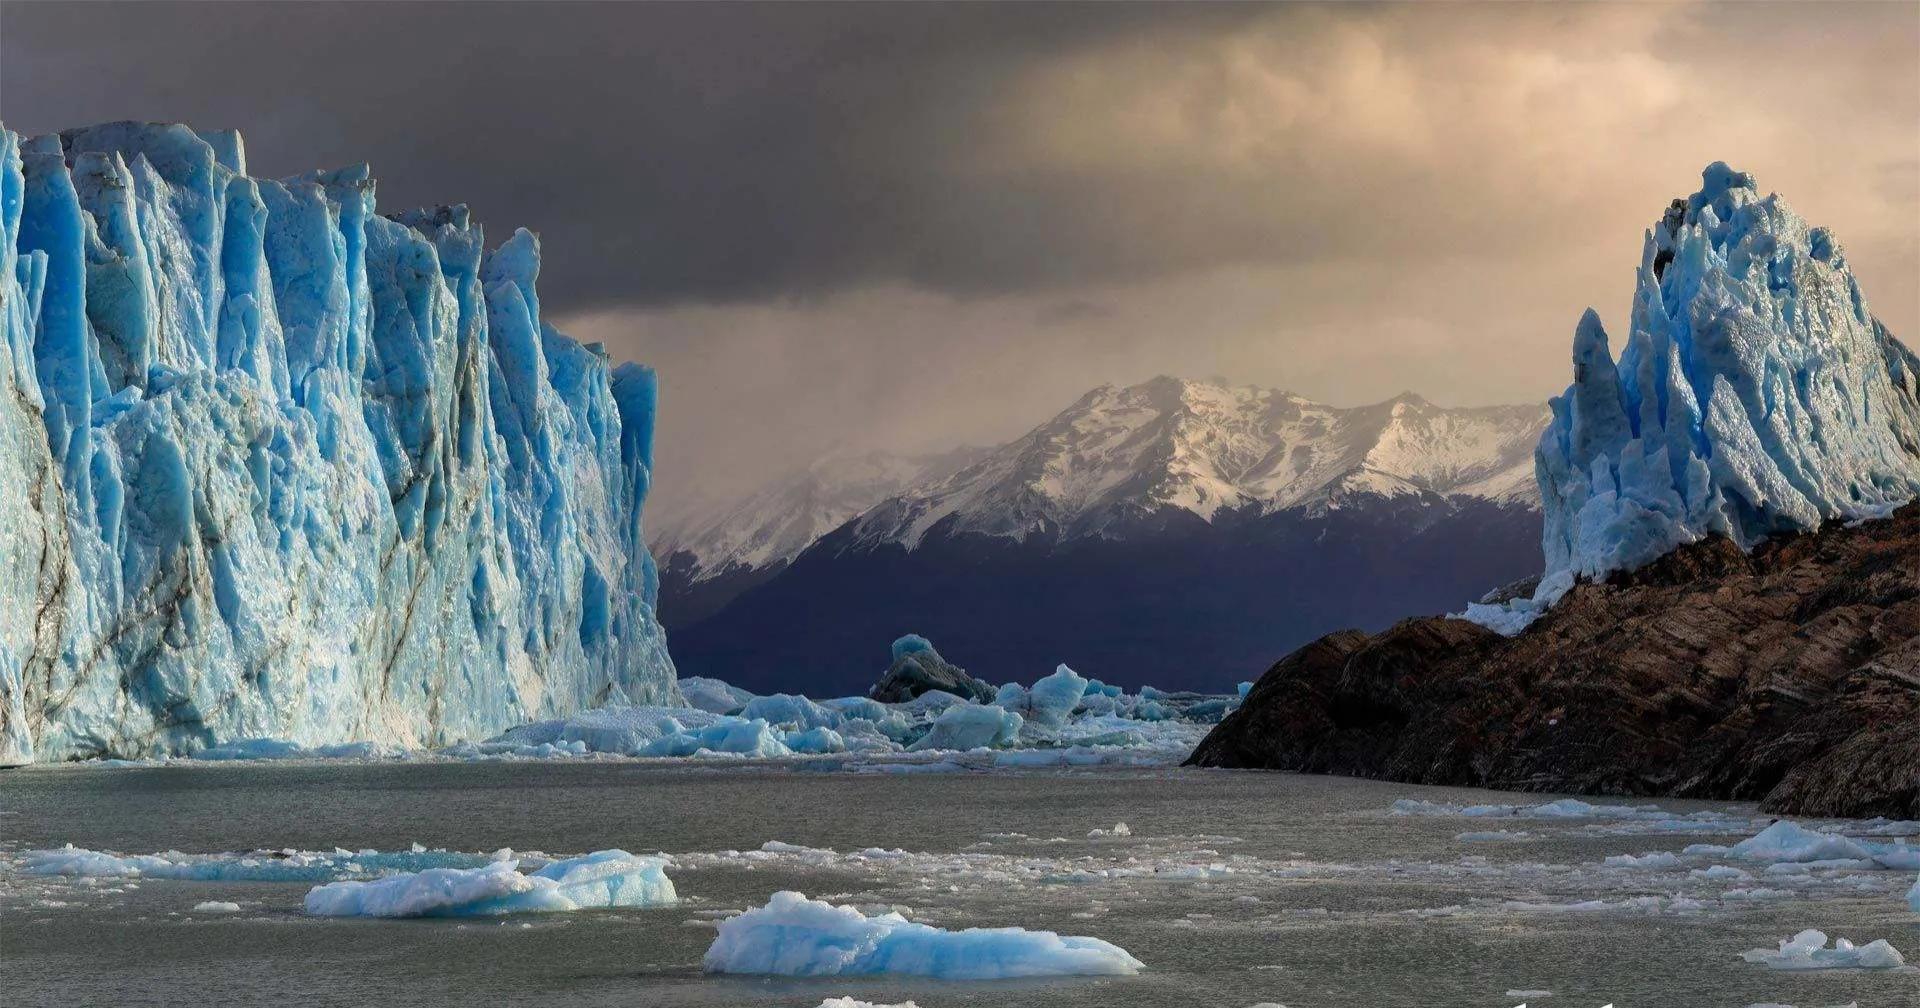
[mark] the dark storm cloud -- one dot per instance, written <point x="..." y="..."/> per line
<point x="664" y="151"/>
<point x="911" y="225"/>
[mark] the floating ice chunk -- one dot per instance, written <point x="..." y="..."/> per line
<point x="1807" y="951"/>
<point x="789" y="709"/>
<point x="606" y="878"/>
<point x="848" y="1002"/>
<point x="1118" y="830"/>
<point x="1655" y="860"/>
<point x="1913" y="898"/>
<point x="1492" y="836"/>
<point x="1790" y="841"/>
<point x="1048" y="701"/>
<point x="216" y="907"/>
<point x="816" y="740"/>
<point x="796" y="936"/>
<point x="736" y="736"/>
<point x="970" y="726"/>
<point x="713" y="695"/>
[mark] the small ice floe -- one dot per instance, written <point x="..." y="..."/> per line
<point x="796" y="936"/>
<point x="1790" y="841"/>
<point x="1808" y="951"/>
<point x="1118" y="830"/>
<point x="608" y="878"/>
<point x="1492" y="836"/>
<point x="848" y="1002"/>
<point x="1646" y="862"/>
<point x="216" y="907"/>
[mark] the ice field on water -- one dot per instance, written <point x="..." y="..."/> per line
<point x="1228" y="888"/>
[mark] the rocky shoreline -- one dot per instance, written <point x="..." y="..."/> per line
<point x="1789" y="675"/>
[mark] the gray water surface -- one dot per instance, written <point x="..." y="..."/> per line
<point x="1313" y="895"/>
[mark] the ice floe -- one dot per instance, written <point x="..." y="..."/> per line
<point x="608" y="878"/>
<point x="796" y="936"/>
<point x="1808" y="950"/>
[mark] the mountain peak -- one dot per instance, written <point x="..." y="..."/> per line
<point x="1169" y="445"/>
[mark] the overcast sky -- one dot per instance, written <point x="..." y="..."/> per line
<point x="909" y="226"/>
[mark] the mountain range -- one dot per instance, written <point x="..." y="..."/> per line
<point x="1173" y="532"/>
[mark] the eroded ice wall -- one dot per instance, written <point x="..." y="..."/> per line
<point x="272" y="464"/>
<point x="1756" y="393"/>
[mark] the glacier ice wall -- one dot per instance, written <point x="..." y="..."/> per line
<point x="1756" y="394"/>
<point x="272" y="464"/>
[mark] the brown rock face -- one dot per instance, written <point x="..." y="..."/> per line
<point x="1790" y="675"/>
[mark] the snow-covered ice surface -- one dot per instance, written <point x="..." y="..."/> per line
<point x="274" y="466"/>
<point x="1756" y="394"/>
<point x="1230" y="888"/>
<point x="796" y="936"/>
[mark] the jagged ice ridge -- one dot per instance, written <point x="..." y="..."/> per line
<point x="1756" y="395"/>
<point x="278" y="466"/>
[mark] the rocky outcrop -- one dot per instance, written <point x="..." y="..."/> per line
<point x="1789" y="675"/>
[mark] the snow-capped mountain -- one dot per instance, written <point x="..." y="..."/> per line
<point x="1122" y="456"/>
<point x="710" y="554"/>
<point x="772" y="525"/>
<point x="1175" y="532"/>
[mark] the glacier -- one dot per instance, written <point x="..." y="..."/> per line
<point x="1756" y="395"/>
<point x="278" y="466"/>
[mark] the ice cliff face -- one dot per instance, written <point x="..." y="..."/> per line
<point x="274" y="465"/>
<point x="1756" y="394"/>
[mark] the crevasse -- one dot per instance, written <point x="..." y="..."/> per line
<point x="274" y="465"/>
<point x="1756" y="395"/>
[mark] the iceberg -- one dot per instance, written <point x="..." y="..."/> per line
<point x="279" y="467"/>
<point x="1787" y="841"/>
<point x="608" y="878"/>
<point x="1808" y="951"/>
<point x="1756" y="394"/>
<point x="1048" y="701"/>
<point x="970" y="726"/>
<point x="796" y="936"/>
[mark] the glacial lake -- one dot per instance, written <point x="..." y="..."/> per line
<point x="1235" y="888"/>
